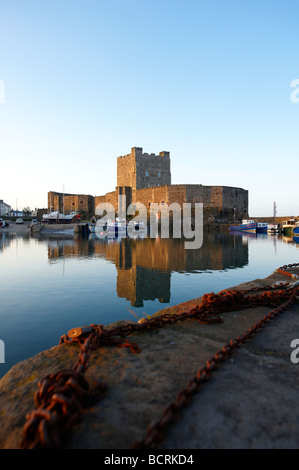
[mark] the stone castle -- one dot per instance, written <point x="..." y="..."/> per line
<point x="146" y="178"/>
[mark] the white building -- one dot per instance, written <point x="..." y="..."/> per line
<point x="16" y="213"/>
<point x="4" y="208"/>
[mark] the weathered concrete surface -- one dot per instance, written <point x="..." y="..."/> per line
<point x="24" y="229"/>
<point x="250" y="402"/>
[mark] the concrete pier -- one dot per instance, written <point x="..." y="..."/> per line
<point x="250" y="402"/>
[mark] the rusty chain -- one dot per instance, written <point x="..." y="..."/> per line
<point x="62" y="397"/>
<point x="157" y="429"/>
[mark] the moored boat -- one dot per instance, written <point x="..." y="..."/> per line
<point x="296" y="229"/>
<point x="288" y="225"/>
<point x="119" y="228"/>
<point x="58" y="218"/>
<point x="261" y="227"/>
<point x="274" y="228"/>
<point x="246" y="226"/>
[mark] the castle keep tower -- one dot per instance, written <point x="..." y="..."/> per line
<point x="142" y="170"/>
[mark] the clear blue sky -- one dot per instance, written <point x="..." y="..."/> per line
<point x="209" y="81"/>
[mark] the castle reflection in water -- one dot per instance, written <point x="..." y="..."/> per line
<point x="144" y="266"/>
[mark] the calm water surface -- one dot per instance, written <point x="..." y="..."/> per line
<point x="50" y="285"/>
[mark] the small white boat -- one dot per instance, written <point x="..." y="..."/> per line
<point x="273" y="228"/>
<point x="119" y="228"/>
<point x="58" y="218"/>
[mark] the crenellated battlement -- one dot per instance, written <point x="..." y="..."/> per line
<point x="138" y="152"/>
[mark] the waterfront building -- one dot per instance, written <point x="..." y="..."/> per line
<point x="4" y="208"/>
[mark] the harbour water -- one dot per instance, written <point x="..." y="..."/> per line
<point x="52" y="284"/>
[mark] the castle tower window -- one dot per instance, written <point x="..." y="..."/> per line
<point x="146" y="173"/>
<point x="81" y="202"/>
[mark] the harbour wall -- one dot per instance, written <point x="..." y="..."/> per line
<point x="221" y="204"/>
<point x="273" y="220"/>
